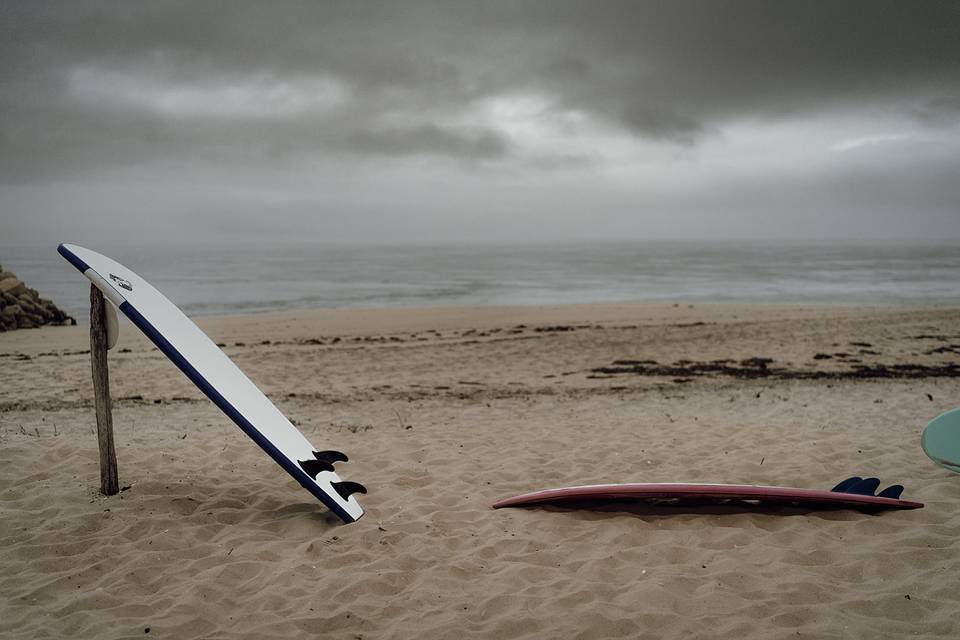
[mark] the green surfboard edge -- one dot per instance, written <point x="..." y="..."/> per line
<point x="941" y="440"/>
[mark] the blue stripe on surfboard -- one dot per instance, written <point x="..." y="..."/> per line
<point x="73" y="259"/>
<point x="184" y="365"/>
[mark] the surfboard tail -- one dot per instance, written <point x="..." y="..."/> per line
<point x="322" y="461"/>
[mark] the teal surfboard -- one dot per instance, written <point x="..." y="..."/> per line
<point x="941" y="440"/>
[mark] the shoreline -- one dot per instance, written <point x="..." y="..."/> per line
<point x="361" y="320"/>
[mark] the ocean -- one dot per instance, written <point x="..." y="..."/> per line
<point x="264" y="277"/>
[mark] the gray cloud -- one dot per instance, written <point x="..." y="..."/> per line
<point x="425" y="139"/>
<point x="371" y="96"/>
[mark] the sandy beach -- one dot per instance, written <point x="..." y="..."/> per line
<point x="445" y="410"/>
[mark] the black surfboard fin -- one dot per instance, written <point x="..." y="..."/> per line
<point x="331" y="456"/>
<point x="866" y="487"/>
<point x="347" y="488"/>
<point x="323" y="462"/>
<point x="843" y="487"/>
<point x="893" y="491"/>
<point x="313" y="467"/>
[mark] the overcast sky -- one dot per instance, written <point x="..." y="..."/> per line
<point x="478" y="121"/>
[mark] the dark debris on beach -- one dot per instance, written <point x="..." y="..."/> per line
<point x="752" y="368"/>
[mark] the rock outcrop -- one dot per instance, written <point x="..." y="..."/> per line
<point x="22" y="307"/>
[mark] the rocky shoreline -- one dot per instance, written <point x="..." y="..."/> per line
<point x="22" y="307"/>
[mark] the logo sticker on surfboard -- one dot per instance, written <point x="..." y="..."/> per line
<point x="124" y="284"/>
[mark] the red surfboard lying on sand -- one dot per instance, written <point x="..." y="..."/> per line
<point x="853" y="493"/>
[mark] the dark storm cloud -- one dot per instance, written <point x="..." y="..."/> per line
<point x="670" y="71"/>
<point x="673" y="116"/>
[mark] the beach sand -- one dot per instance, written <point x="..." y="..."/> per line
<point x="444" y="411"/>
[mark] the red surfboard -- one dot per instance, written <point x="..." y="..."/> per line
<point x="672" y="492"/>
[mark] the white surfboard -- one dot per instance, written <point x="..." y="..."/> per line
<point x="219" y="378"/>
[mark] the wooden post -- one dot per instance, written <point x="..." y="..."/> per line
<point x="109" y="483"/>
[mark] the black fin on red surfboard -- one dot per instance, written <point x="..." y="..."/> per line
<point x="347" y="488"/>
<point x="866" y="487"/>
<point x="893" y="491"/>
<point x="843" y="487"/>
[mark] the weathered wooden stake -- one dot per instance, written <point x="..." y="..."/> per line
<point x="109" y="483"/>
